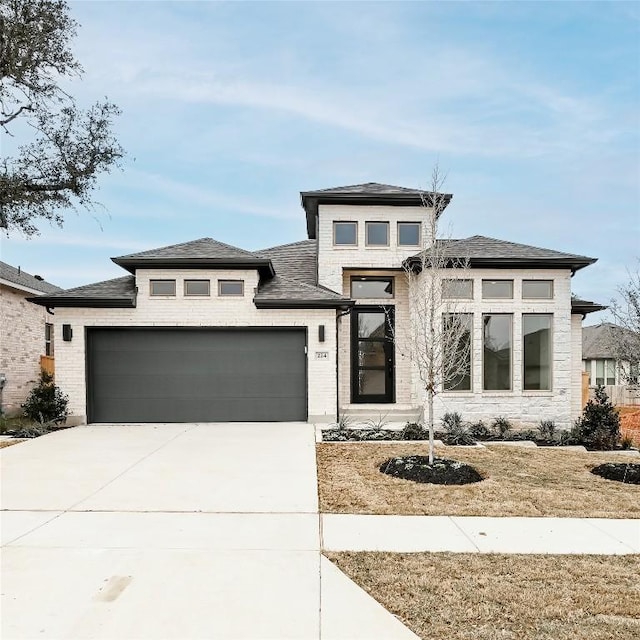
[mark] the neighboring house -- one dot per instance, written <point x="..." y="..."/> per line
<point x="203" y="331"/>
<point x="600" y="363"/>
<point x="26" y="335"/>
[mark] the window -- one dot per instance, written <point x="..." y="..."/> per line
<point x="497" y="288"/>
<point x="48" y="339"/>
<point x="376" y="288"/>
<point x="345" y="233"/>
<point x="377" y="234"/>
<point x="409" y="234"/>
<point x="162" y="287"/>
<point x="457" y="289"/>
<point x="457" y="341"/>
<point x="587" y="368"/>
<point x="231" y="287"/>
<point x="605" y="372"/>
<point x="537" y="289"/>
<point x="497" y="352"/>
<point x="197" y="288"/>
<point x="536" y="357"/>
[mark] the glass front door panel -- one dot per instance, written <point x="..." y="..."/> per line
<point x="372" y="325"/>
<point x="371" y="382"/>
<point x="371" y="354"/>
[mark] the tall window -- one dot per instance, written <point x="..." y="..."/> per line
<point x="605" y="372"/>
<point x="497" y="345"/>
<point x="457" y="339"/>
<point x="48" y="339"/>
<point x="536" y="357"/>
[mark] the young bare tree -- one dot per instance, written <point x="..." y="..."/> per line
<point x="624" y="340"/>
<point x="57" y="168"/>
<point x="438" y="338"/>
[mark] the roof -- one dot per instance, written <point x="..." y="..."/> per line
<point x="119" y="293"/>
<point x="585" y="306"/>
<point x="20" y="279"/>
<point x="482" y="251"/>
<point x="297" y="260"/>
<point x="597" y="340"/>
<point x="204" y="253"/>
<point x="369" y="193"/>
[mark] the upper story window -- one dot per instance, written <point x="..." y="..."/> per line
<point x="461" y="289"/>
<point x="497" y="289"/>
<point x="537" y="289"/>
<point x="345" y="234"/>
<point x="48" y="339"/>
<point x="162" y="287"/>
<point x="409" y="234"/>
<point x="377" y="234"/>
<point x="197" y="288"/>
<point x="231" y="287"/>
<point x="371" y="288"/>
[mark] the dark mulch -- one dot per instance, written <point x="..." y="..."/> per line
<point x="626" y="472"/>
<point x="442" y="471"/>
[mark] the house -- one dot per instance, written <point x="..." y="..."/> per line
<point x="203" y="331"/>
<point x="603" y="368"/>
<point x="26" y="335"/>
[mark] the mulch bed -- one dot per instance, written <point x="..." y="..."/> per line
<point x="442" y="471"/>
<point x="626" y="472"/>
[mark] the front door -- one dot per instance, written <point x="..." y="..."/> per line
<point x="372" y="354"/>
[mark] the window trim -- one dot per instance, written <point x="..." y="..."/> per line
<point x="389" y="279"/>
<point x="162" y="295"/>
<point x="458" y="280"/>
<point x="230" y="295"/>
<point x="366" y="234"/>
<point x="344" y="244"/>
<point x="497" y="280"/>
<point x="197" y="295"/>
<point x="549" y="280"/>
<point x="551" y="337"/>
<point x="511" y="385"/>
<point x="49" y="344"/>
<point x="407" y="222"/>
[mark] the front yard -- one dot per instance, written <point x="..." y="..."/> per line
<point x="503" y="597"/>
<point x="519" y="482"/>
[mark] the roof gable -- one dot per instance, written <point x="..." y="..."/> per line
<point x="117" y="293"/>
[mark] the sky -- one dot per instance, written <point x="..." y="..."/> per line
<point x="231" y="109"/>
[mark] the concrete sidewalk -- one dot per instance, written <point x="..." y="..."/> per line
<point x="479" y="534"/>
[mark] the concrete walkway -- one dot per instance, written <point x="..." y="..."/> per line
<point x="206" y="531"/>
<point x="480" y="534"/>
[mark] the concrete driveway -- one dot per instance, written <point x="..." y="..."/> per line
<point x="173" y="531"/>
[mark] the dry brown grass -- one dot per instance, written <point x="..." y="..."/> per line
<point x="519" y="482"/>
<point x="8" y="443"/>
<point x="505" y="597"/>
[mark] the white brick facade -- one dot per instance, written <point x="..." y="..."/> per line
<point x="22" y="342"/>
<point x="212" y="311"/>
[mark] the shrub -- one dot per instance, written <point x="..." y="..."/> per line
<point x="413" y="431"/>
<point x="501" y="426"/>
<point x="456" y="431"/>
<point x="380" y="423"/>
<point x="344" y="421"/>
<point x="479" y="430"/>
<point x="547" y="429"/>
<point x="33" y="430"/>
<point x="599" y="426"/>
<point x="46" y="402"/>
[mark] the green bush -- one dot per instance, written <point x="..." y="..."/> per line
<point x="413" y="431"/>
<point x="547" y="430"/>
<point x="46" y="402"/>
<point x="479" y="430"/>
<point x="501" y="427"/>
<point x="456" y="432"/>
<point x="599" y="426"/>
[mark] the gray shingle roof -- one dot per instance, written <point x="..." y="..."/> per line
<point x="23" y="279"/>
<point x="597" y="340"/>
<point x="119" y="292"/>
<point x="297" y="260"/>
<point x="585" y="306"/>
<point x="280" y="291"/>
<point x="482" y="251"/>
<point x="369" y="193"/>
<point x="201" y="248"/>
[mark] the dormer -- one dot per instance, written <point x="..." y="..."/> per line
<point x="368" y="225"/>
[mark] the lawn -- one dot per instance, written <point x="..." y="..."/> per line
<point x="505" y="597"/>
<point x="519" y="482"/>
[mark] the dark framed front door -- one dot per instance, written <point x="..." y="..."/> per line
<point x="372" y="354"/>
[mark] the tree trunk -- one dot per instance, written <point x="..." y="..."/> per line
<point x="430" y="408"/>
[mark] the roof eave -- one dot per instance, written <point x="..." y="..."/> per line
<point x="284" y="303"/>
<point x="84" y="302"/>
<point x="264" y="266"/>
<point x="575" y="264"/>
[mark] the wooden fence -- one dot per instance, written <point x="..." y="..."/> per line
<point x="620" y="395"/>
<point x="47" y="364"/>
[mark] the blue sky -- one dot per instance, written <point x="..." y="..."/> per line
<point x="231" y="109"/>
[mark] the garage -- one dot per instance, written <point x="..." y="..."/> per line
<point x="196" y="375"/>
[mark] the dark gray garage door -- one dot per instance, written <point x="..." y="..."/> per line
<point x="196" y="375"/>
